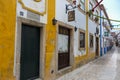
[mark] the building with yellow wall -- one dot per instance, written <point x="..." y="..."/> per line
<point x="7" y="38"/>
<point x="39" y="41"/>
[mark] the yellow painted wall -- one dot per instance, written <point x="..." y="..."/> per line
<point x="50" y="42"/>
<point x="7" y="36"/>
<point x="81" y="60"/>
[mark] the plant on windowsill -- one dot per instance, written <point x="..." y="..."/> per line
<point x="96" y="19"/>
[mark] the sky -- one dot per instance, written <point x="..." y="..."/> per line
<point x="113" y="9"/>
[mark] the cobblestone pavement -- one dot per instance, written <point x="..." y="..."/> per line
<point x="103" y="68"/>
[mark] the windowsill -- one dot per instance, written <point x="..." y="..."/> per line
<point x="81" y="48"/>
<point x="91" y="47"/>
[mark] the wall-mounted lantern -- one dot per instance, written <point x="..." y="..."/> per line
<point x="75" y="28"/>
<point x="54" y="21"/>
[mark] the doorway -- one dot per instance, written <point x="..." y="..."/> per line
<point x="63" y="47"/>
<point x="30" y="52"/>
<point x="97" y="46"/>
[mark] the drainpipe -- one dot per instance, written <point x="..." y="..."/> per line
<point x="100" y="33"/>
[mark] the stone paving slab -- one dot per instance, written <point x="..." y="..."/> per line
<point x="103" y="68"/>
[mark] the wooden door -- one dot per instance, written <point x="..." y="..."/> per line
<point x="63" y="47"/>
<point x="97" y="46"/>
<point x="30" y="52"/>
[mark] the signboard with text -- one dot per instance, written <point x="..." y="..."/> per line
<point x="71" y="16"/>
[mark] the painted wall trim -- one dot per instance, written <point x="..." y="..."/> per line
<point x="87" y="18"/>
<point x="100" y="34"/>
<point x="37" y="0"/>
<point x="32" y="10"/>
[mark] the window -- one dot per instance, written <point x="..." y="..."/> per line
<point x="90" y="8"/>
<point x="71" y="1"/>
<point x="96" y="18"/>
<point x="97" y="13"/>
<point x="82" y="5"/>
<point x="106" y="34"/>
<point x="82" y="40"/>
<point x="91" y="41"/>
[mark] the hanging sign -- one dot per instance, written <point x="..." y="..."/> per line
<point x="35" y="6"/>
<point x="71" y="16"/>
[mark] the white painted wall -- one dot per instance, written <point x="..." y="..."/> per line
<point x="80" y="23"/>
<point x="106" y="42"/>
<point x="38" y="6"/>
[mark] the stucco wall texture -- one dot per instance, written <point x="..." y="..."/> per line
<point x="7" y="38"/>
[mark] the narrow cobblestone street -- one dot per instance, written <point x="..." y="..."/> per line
<point x="103" y="68"/>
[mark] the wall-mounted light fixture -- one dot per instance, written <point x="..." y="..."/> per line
<point x="54" y="21"/>
<point x="75" y="28"/>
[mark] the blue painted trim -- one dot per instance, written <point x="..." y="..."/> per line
<point x="104" y="50"/>
<point x="100" y="33"/>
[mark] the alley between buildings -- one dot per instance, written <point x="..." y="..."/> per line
<point x="103" y="68"/>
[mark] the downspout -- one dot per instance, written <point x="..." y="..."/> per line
<point x="100" y="33"/>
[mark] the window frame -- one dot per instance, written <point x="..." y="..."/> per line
<point x="70" y="67"/>
<point x="91" y="35"/>
<point x="69" y="1"/>
<point x="82" y="31"/>
<point x="81" y="3"/>
<point x="97" y="13"/>
<point x="17" y="53"/>
<point x="106" y="34"/>
<point x="91" y="16"/>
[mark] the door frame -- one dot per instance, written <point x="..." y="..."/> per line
<point x="71" y="62"/>
<point x="17" y="53"/>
